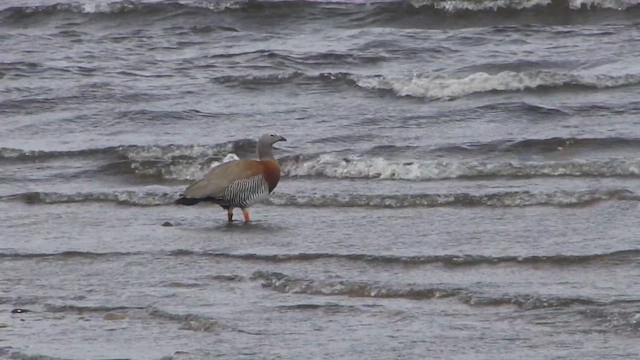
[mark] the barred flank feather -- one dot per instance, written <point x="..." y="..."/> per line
<point x="245" y="192"/>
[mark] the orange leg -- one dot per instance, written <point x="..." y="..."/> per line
<point x="245" y="212"/>
<point x="230" y="215"/>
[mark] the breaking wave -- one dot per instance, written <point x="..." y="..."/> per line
<point x="355" y="166"/>
<point x="173" y="162"/>
<point x="442" y="87"/>
<point x="287" y="284"/>
<point x="190" y="162"/>
<point x="136" y="152"/>
<point x="439" y="87"/>
<point x="119" y="7"/>
<point x="447" y="6"/>
<point x="462" y="5"/>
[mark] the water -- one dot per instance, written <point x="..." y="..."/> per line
<point x="460" y="179"/>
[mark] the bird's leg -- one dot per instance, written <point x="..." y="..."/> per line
<point x="230" y="214"/>
<point x="245" y="212"/>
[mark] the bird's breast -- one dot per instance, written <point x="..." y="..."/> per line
<point x="271" y="173"/>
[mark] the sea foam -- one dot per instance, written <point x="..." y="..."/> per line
<point x="436" y="86"/>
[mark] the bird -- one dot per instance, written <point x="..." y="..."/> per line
<point x="238" y="183"/>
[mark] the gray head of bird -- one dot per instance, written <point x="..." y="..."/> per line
<point x="264" y="145"/>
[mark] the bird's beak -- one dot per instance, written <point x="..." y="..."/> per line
<point x="282" y="138"/>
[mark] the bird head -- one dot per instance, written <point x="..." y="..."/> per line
<point x="270" y="139"/>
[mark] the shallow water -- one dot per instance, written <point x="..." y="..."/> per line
<point x="459" y="180"/>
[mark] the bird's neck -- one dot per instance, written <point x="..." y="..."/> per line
<point x="265" y="153"/>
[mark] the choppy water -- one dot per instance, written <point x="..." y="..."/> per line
<point x="461" y="179"/>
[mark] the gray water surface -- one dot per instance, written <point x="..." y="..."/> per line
<point x="460" y="180"/>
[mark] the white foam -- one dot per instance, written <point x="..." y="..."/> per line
<point x="169" y="152"/>
<point x="334" y="166"/>
<point x="109" y="6"/>
<point x="446" y="87"/>
<point x="226" y="159"/>
<point x="230" y="157"/>
<point x="605" y="4"/>
<point x="218" y="5"/>
<point x="105" y="6"/>
<point x="466" y="5"/>
<point x="176" y="162"/>
<point x="458" y="5"/>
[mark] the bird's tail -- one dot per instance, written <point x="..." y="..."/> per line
<point x="187" y="201"/>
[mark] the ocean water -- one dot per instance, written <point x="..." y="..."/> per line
<point x="461" y="179"/>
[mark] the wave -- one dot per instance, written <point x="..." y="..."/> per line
<point x="363" y="167"/>
<point x="613" y="258"/>
<point x="494" y="5"/>
<point x="87" y="308"/>
<point x="140" y="152"/>
<point x="499" y="199"/>
<point x="347" y="13"/>
<point x="21" y="300"/>
<point x="246" y="147"/>
<point x="527" y="108"/>
<point x="522" y="148"/>
<point x="9" y="353"/>
<point x="37" y="155"/>
<point x="190" y="321"/>
<point x="526" y="302"/>
<point x="444" y="87"/>
<point x="295" y="77"/>
<point x="97" y="7"/>
<point x="173" y="162"/>
<point x="165" y="152"/>
<point x="287" y="284"/>
<point x="134" y="198"/>
<point x="190" y="162"/>
<point x="624" y="317"/>
<point x="293" y="285"/>
<point x="66" y="255"/>
<point x="540" y="146"/>
<point x="617" y="257"/>
<point x="195" y="322"/>
<point x="448" y="6"/>
<point x="325" y="307"/>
